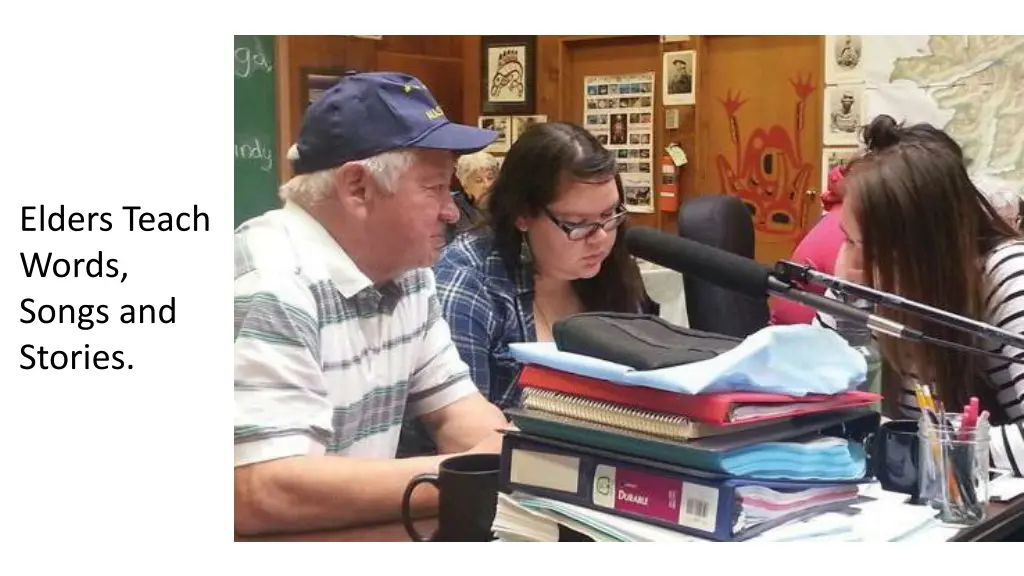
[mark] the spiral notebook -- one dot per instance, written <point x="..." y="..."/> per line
<point x="668" y="414"/>
<point x="661" y="424"/>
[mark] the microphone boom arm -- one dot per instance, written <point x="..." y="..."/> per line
<point x="792" y="271"/>
<point x="874" y="323"/>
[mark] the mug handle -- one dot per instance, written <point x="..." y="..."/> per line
<point x="871" y="448"/>
<point x="407" y="497"/>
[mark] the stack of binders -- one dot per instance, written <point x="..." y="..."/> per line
<point x="722" y="465"/>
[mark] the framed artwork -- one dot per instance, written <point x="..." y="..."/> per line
<point x="507" y="74"/>
<point x="844" y="60"/>
<point x="832" y="157"/>
<point x="844" y="114"/>
<point x="679" y="70"/>
<point x="316" y="81"/>
<point x="521" y="123"/>
<point x="503" y="126"/>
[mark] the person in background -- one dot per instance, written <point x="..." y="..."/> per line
<point x="554" y="247"/>
<point x="916" y="225"/>
<point x="476" y="173"/>
<point x="338" y="330"/>
<point x="818" y="249"/>
<point x="821" y="245"/>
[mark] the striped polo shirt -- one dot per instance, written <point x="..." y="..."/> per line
<point x="326" y="362"/>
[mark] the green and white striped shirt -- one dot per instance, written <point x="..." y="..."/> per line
<point x="325" y="362"/>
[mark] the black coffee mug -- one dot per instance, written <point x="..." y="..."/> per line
<point x="894" y="457"/>
<point x="467" y="499"/>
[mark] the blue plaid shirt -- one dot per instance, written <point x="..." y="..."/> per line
<point x="487" y="310"/>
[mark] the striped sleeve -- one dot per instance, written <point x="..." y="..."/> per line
<point x="440" y="377"/>
<point x="281" y="403"/>
<point x="1004" y="306"/>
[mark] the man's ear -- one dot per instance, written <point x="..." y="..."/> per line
<point x="352" y="187"/>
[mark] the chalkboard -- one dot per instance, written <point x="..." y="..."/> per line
<point x="256" y="162"/>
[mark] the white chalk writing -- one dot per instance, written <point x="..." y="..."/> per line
<point x="252" y="149"/>
<point x="249" y="61"/>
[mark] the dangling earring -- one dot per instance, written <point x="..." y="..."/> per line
<point x="525" y="255"/>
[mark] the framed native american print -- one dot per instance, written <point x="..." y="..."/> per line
<point x="507" y="74"/>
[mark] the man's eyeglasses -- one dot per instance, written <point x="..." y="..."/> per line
<point x="584" y="230"/>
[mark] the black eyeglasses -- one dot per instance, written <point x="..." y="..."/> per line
<point x="584" y="230"/>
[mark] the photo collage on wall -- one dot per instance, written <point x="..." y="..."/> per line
<point x="509" y="129"/>
<point x="619" y="112"/>
<point x="845" y="106"/>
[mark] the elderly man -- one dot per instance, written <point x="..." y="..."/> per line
<point x="338" y="332"/>
<point x="682" y="80"/>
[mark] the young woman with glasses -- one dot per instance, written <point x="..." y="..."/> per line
<point x="553" y="247"/>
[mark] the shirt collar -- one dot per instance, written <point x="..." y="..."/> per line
<point x="348" y="278"/>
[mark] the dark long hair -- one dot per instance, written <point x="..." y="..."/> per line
<point x="543" y="157"/>
<point x="926" y="230"/>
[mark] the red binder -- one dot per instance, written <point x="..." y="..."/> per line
<point x="721" y="409"/>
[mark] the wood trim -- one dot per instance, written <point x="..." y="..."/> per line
<point x="700" y="135"/>
<point x="565" y="72"/>
<point x="598" y="37"/>
<point x="282" y="58"/>
<point x="424" y="56"/>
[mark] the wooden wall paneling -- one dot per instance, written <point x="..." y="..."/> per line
<point x="436" y="60"/>
<point x="441" y="46"/>
<point x="285" y="102"/>
<point x="548" y="77"/>
<point x="685" y="135"/>
<point x="470" y="79"/>
<point x="309" y="52"/>
<point x="360" y="54"/>
<point x="443" y="76"/>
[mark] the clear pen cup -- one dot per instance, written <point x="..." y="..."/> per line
<point x="953" y="475"/>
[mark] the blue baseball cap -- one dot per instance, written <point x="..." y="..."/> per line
<point x="368" y="113"/>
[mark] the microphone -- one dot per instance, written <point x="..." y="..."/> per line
<point x="790" y="271"/>
<point x="738" y="274"/>
<point x="745" y="276"/>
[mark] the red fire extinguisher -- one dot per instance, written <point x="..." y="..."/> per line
<point x="668" y="184"/>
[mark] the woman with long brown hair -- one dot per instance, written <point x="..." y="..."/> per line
<point x="916" y="225"/>
<point x="553" y="247"/>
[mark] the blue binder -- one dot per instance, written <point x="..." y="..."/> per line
<point x="688" y="500"/>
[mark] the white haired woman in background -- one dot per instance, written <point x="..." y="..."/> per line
<point x="475" y="172"/>
<point x="1004" y="197"/>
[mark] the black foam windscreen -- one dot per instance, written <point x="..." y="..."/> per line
<point x="725" y="269"/>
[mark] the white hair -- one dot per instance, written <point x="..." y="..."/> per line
<point x="470" y="163"/>
<point x="308" y="189"/>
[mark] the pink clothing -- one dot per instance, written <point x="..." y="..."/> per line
<point x="833" y="195"/>
<point x="818" y="249"/>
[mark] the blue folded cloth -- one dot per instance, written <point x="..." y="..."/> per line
<point x="797" y="359"/>
<point x="821" y="458"/>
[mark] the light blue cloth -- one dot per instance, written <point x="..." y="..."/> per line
<point x="796" y="359"/>
<point x="823" y="459"/>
